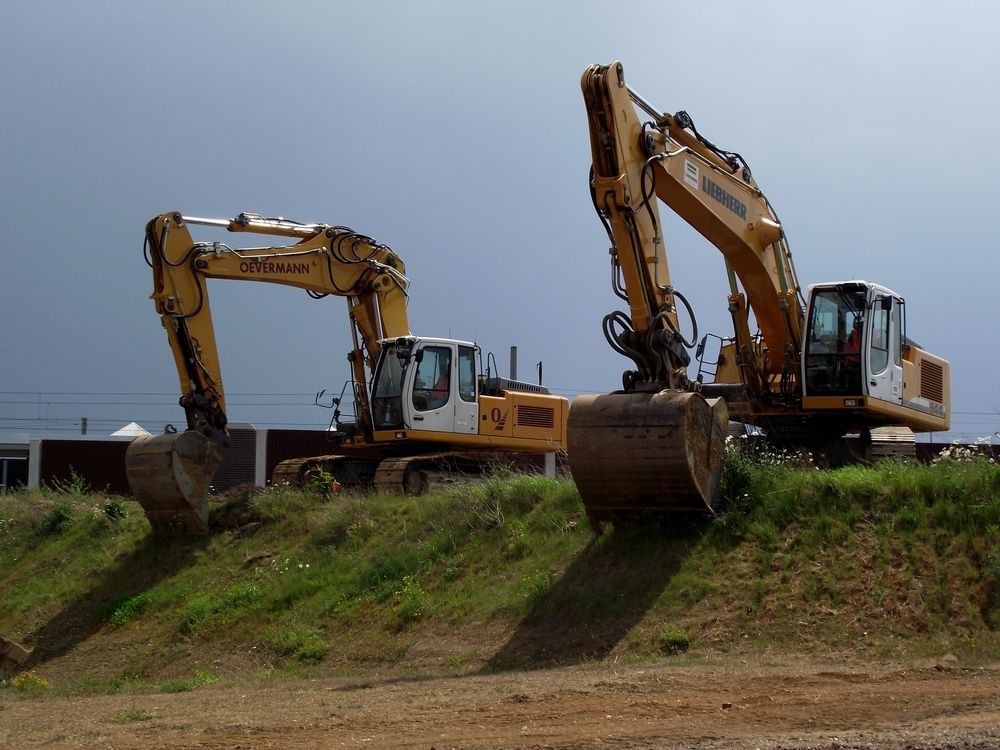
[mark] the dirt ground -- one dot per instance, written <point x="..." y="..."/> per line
<point x="742" y="704"/>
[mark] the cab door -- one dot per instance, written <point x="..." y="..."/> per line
<point x="431" y="403"/>
<point x="466" y="405"/>
<point x="884" y="360"/>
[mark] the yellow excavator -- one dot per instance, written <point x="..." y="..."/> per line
<point x="838" y="363"/>
<point x="423" y="412"/>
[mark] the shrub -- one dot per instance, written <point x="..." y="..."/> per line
<point x="505" y="492"/>
<point x="58" y="519"/>
<point x="673" y="641"/>
<point x="537" y="585"/>
<point x="115" y="510"/>
<point x="737" y="475"/>
<point x="125" y="610"/>
<point x="75" y="486"/>
<point x="29" y="682"/>
<point x="410" y="602"/>
<point x="300" y="642"/>
<point x="323" y="483"/>
<point x="183" y="684"/>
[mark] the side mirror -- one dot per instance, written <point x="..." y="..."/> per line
<point x="701" y="348"/>
<point x="404" y="348"/>
<point x="885" y="303"/>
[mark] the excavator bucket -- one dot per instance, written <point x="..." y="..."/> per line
<point x="170" y="476"/>
<point x="646" y="454"/>
<point x="12" y="656"/>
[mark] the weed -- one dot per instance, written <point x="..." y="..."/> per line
<point x="323" y="483"/>
<point x="518" y="543"/>
<point x="200" y="678"/>
<point x="131" y="717"/>
<point x="75" y="486"/>
<point x="303" y="643"/>
<point x="673" y="640"/>
<point x="128" y="678"/>
<point x="536" y="585"/>
<point x="410" y="602"/>
<point x="29" y="682"/>
<point x="737" y="475"/>
<point x="59" y="518"/>
<point x="125" y="610"/>
<point x="336" y="523"/>
<point x="689" y="587"/>
<point x="115" y="510"/>
<point x="212" y="610"/>
<point x="980" y="451"/>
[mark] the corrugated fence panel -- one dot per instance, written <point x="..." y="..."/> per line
<point x="100" y="462"/>
<point x="240" y="462"/>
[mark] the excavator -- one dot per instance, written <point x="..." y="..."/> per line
<point x="423" y="412"/>
<point x="816" y="373"/>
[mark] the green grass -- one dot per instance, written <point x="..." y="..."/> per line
<point x="131" y="717"/>
<point x="200" y="678"/>
<point x="506" y="573"/>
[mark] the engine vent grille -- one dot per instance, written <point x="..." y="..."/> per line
<point x="932" y="381"/>
<point x="536" y="416"/>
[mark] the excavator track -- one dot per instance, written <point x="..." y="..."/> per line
<point x="397" y="475"/>
<point x="646" y="454"/>
<point x="415" y="475"/>
<point x="403" y="476"/>
<point x="893" y="442"/>
<point x="349" y="471"/>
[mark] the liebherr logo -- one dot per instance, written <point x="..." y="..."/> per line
<point x="252" y="266"/>
<point x="728" y="200"/>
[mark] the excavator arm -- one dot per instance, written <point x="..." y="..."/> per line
<point x="638" y="163"/>
<point x="170" y="473"/>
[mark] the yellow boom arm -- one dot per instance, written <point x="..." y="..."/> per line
<point x="325" y="260"/>
<point x="636" y="164"/>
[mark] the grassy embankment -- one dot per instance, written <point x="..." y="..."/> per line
<point x="870" y="562"/>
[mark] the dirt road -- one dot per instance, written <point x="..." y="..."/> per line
<point x="706" y="707"/>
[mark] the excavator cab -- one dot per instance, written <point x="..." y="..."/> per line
<point x="833" y="345"/>
<point x="425" y="384"/>
<point x="854" y="344"/>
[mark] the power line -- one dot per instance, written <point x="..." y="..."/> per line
<point x="129" y="393"/>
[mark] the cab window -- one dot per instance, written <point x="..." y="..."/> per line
<point x="833" y="346"/>
<point x="432" y="384"/>
<point x="880" y="339"/>
<point x="897" y="345"/>
<point x="387" y="396"/>
<point x="467" y="373"/>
